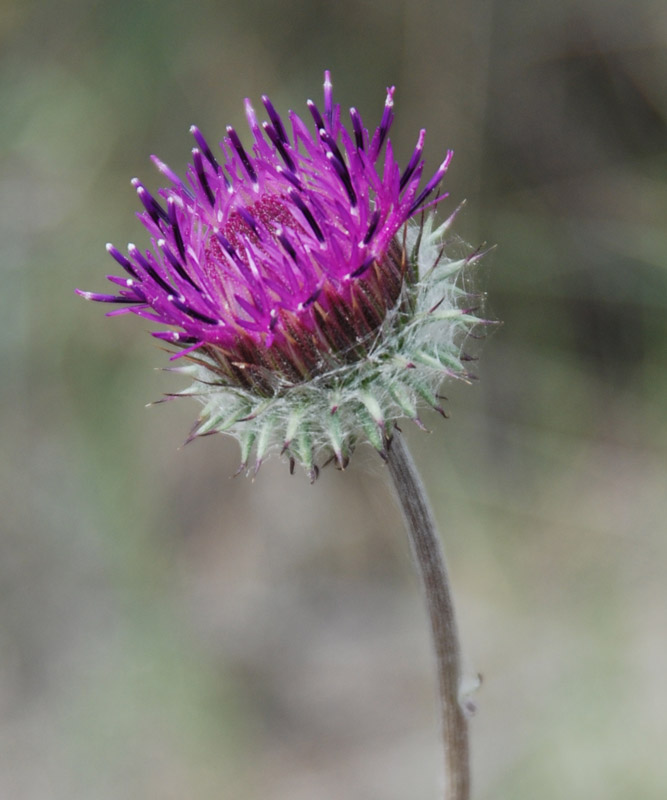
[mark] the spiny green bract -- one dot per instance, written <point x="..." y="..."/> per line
<point x="321" y="419"/>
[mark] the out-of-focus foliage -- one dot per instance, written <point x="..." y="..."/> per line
<point x="166" y="632"/>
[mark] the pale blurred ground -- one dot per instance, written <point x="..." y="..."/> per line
<point x="169" y="633"/>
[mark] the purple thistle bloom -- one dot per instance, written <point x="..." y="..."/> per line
<point x="290" y="282"/>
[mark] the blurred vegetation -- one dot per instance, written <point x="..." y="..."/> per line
<point x="168" y="633"/>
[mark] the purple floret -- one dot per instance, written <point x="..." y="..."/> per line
<point x="279" y="259"/>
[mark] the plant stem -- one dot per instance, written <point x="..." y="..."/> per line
<point x="430" y="558"/>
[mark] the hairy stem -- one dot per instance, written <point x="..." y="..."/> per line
<point x="430" y="558"/>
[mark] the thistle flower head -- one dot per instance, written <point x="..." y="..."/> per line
<point x="307" y="307"/>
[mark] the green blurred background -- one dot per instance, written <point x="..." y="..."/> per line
<point x="167" y="632"/>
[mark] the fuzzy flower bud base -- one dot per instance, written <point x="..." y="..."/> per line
<point x="305" y="285"/>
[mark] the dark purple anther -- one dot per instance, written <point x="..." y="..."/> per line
<point x="176" y="265"/>
<point x="360" y="271"/>
<point x="414" y="161"/>
<point x="242" y="267"/>
<point x="249" y="220"/>
<point x="120" y="258"/>
<point x="330" y="142"/>
<point x="372" y="227"/>
<point x="153" y="208"/>
<point x="228" y="247"/>
<point x="291" y="177"/>
<point x="435" y="180"/>
<point x="236" y="143"/>
<point x="344" y="175"/>
<point x="191" y="312"/>
<point x="307" y="213"/>
<point x="175" y="228"/>
<point x="149" y="269"/>
<point x="313" y="297"/>
<point x="358" y="128"/>
<point x="201" y="175"/>
<point x="173" y="221"/>
<point x="203" y="146"/>
<point x="275" y="119"/>
<point x="284" y="241"/>
<point x="339" y="165"/>
<point x="279" y="145"/>
<point x="387" y="118"/>
<point x="206" y="150"/>
<point x="317" y="117"/>
<point x="175" y="336"/>
<point x="108" y="298"/>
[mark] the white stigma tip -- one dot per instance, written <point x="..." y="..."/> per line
<point x="131" y="246"/>
<point x="161" y="242"/>
<point x="109" y="247"/>
<point x="129" y="282"/>
<point x="135" y="182"/>
<point x="193" y="128"/>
